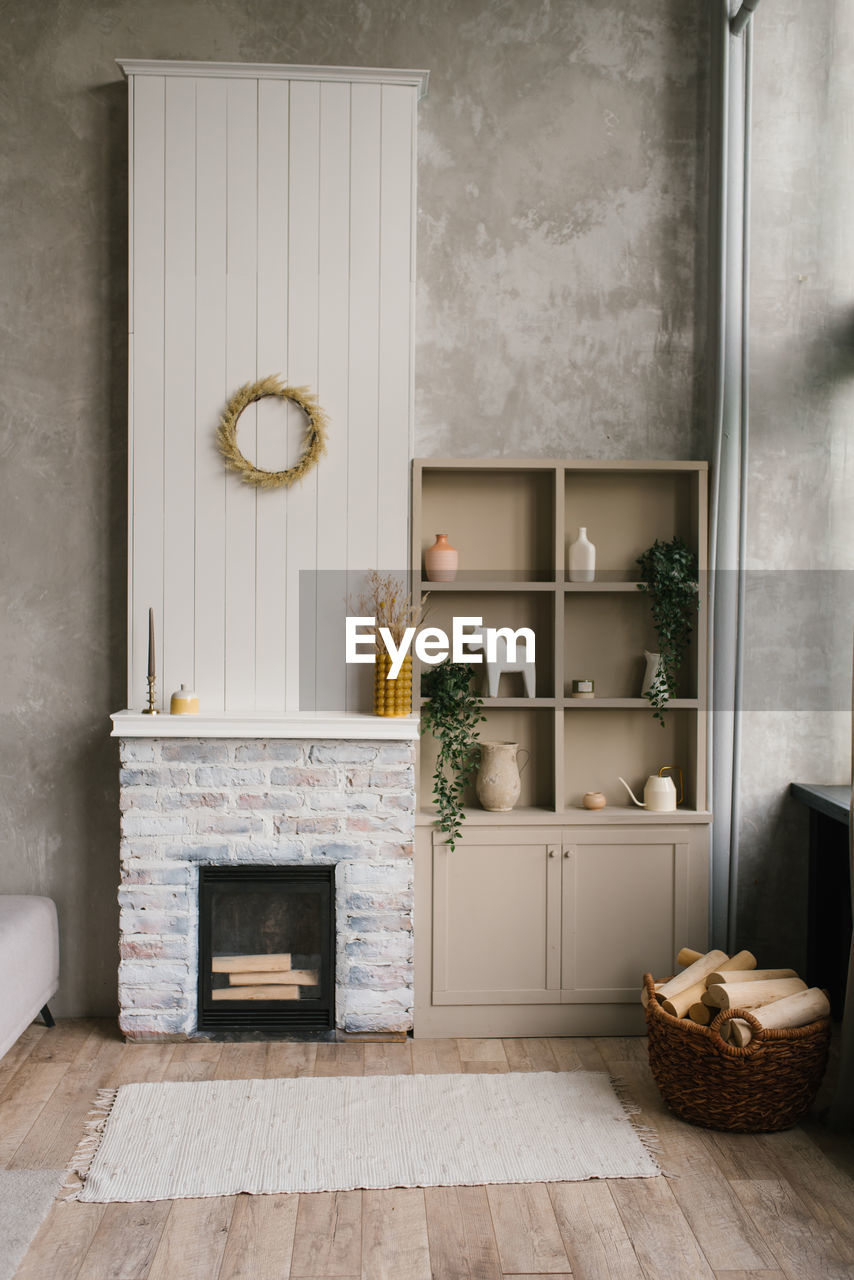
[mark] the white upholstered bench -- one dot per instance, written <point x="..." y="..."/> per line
<point x="29" y="962"/>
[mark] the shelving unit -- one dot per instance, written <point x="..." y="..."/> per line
<point x="512" y="522"/>
<point x="541" y="921"/>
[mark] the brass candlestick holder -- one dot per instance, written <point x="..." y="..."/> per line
<point x="150" y="710"/>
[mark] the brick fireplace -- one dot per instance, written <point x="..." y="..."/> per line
<point x="216" y="800"/>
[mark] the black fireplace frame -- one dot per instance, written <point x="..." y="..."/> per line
<point x="311" y="1015"/>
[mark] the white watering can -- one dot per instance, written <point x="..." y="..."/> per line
<point x="659" y="793"/>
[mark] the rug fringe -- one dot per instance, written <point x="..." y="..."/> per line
<point x="649" y="1137"/>
<point x="80" y="1163"/>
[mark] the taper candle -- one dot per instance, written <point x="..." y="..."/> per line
<point x="150" y="642"/>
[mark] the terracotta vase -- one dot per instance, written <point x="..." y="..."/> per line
<point x="498" y="785"/>
<point x="441" y="561"/>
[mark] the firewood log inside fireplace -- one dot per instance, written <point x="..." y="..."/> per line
<point x="278" y="992"/>
<point x="296" y="977"/>
<point x="250" y="964"/>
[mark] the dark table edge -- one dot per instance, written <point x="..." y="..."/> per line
<point x="833" y="801"/>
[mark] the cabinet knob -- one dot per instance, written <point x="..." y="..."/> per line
<point x="566" y="853"/>
<point x="552" y="853"/>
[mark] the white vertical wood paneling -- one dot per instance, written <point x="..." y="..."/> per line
<point x="363" y="492"/>
<point x="363" y="484"/>
<point x="131" y="599"/>
<point x="241" y="367"/>
<point x="332" y="385"/>
<point x="271" y="508"/>
<point x="395" y="353"/>
<point x="177" y="664"/>
<point x="146" y="411"/>
<point x="272" y="232"/>
<point x="303" y="242"/>
<point x="211" y="392"/>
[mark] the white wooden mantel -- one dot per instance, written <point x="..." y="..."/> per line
<point x="272" y="231"/>
<point x="304" y="725"/>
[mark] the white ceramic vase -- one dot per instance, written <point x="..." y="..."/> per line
<point x="582" y="558"/>
<point x="498" y="784"/>
<point x="654" y="675"/>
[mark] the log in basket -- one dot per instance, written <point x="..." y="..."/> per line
<point x="766" y="1086"/>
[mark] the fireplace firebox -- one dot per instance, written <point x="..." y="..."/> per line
<point x="266" y="948"/>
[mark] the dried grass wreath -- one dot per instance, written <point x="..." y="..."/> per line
<point x="315" y="436"/>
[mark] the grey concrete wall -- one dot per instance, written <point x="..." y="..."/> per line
<point x="797" y="722"/>
<point x="562" y="254"/>
<point x="560" y="311"/>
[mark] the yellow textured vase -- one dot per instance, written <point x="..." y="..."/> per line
<point x="392" y="697"/>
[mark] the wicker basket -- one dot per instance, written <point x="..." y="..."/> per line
<point x="766" y="1086"/>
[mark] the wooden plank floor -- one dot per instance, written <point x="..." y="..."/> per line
<point x="736" y="1207"/>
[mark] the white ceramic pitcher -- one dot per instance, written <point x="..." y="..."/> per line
<point x="498" y="784"/>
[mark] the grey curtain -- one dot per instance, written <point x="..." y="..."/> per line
<point x="728" y="408"/>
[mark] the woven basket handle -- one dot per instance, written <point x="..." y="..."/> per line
<point x="727" y="1015"/>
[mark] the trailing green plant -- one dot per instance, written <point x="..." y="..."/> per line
<point x="451" y="714"/>
<point x="669" y="572"/>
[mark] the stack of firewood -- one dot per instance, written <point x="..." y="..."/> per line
<point x="777" y="998"/>
<point x="264" y="977"/>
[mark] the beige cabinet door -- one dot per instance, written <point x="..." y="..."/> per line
<point x="496" y="918"/>
<point x="631" y="898"/>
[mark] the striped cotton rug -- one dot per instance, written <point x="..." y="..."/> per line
<point x="216" y="1138"/>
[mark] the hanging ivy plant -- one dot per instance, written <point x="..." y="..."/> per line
<point x="669" y="572"/>
<point x="451" y="714"/>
